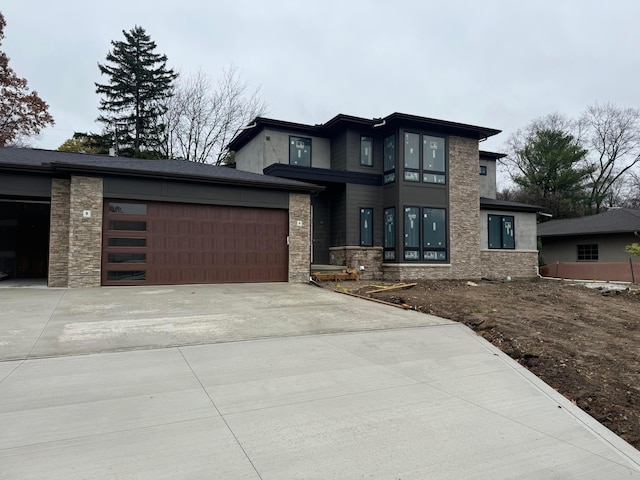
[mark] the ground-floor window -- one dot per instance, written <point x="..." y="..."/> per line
<point x="502" y="232"/>
<point x="425" y="234"/>
<point x="366" y="227"/>
<point x="588" y="252"/>
<point x="390" y="233"/>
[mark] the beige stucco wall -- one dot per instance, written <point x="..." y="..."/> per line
<point x="488" y="181"/>
<point x="250" y="158"/>
<point x="525" y="225"/>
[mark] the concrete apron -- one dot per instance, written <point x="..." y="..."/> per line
<point x="403" y="395"/>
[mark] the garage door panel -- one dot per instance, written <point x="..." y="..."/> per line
<point x="205" y="244"/>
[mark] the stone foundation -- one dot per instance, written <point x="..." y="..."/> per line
<point x="513" y="263"/>
<point x="355" y="257"/>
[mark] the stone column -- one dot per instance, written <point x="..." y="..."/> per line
<point x="299" y="237"/>
<point x="59" y="233"/>
<point x="85" y="232"/>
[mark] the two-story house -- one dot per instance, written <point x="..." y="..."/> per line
<point x="405" y="197"/>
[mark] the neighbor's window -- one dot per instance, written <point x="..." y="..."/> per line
<point x="411" y="233"/>
<point x="366" y="227"/>
<point x="434" y="234"/>
<point x="483" y="170"/>
<point x="390" y="233"/>
<point x="390" y="159"/>
<point x="412" y="157"/>
<point x="588" y="252"/>
<point x="300" y="151"/>
<point x="502" y="232"/>
<point x="366" y="151"/>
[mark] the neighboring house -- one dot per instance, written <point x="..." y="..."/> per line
<point x="598" y="238"/>
<point x="88" y="220"/>
<point x="405" y="197"/>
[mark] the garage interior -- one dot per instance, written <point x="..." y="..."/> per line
<point x="24" y="238"/>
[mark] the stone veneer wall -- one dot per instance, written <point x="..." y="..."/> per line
<point x="464" y="221"/>
<point x="299" y="237"/>
<point x="85" y="233"/>
<point x="512" y="263"/>
<point x="355" y="257"/>
<point x="59" y="234"/>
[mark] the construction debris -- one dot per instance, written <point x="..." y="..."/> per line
<point x="348" y="274"/>
<point x="399" y="286"/>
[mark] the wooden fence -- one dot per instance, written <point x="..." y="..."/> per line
<point x="602" y="271"/>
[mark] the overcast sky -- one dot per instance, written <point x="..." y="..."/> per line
<point x="491" y="63"/>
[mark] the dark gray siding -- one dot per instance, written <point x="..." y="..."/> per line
<point x="362" y="196"/>
<point x="338" y="207"/>
<point x="339" y="152"/>
<point x="421" y="194"/>
<point x="353" y="153"/>
<point x="25" y="185"/>
<point x="171" y="191"/>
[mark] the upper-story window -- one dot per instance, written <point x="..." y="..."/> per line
<point x="483" y="170"/>
<point x="390" y="159"/>
<point x="412" y="157"/>
<point x="433" y="162"/>
<point x="300" y="151"/>
<point x="366" y="151"/>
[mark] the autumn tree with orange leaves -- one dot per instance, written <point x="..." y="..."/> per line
<point x="22" y="113"/>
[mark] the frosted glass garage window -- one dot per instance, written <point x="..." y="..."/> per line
<point x="300" y="151"/>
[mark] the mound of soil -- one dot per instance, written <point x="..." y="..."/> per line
<point x="583" y="342"/>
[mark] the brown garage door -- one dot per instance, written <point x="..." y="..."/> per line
<point x="156" y="243"/>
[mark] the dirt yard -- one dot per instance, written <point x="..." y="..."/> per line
<point x="583" y="342"/>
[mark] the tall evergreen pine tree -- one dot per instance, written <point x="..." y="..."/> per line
<point x="134" y="97"/>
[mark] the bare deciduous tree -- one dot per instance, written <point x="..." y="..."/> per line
<point x="203" y="116"/>
<point x="614" y="140"/>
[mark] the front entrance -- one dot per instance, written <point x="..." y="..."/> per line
<point x="24" y="238"/>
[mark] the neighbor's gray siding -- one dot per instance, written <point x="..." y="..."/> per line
<point x="171" y="191"/>
<point x="565" y="249"/>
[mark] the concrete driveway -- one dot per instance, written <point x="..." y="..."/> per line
<point x="273" y="381"/>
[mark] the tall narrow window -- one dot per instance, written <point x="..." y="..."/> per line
<point x="502" y="232"/>
<point x="390" y="159"/>
<point x="366" y="151"/>
<point x="411" y="233"/>
<point x="412" y="157"/>
<point x="434" y="234"/>
<point x="433" y="159"/>
<point x="300" y="151"/>
<point x="390" y="233"/>
<point x="366" y="227"/>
